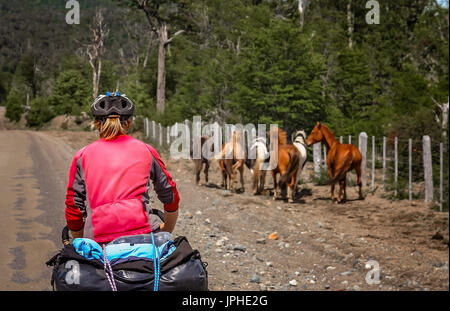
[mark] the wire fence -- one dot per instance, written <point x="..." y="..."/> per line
<point x="412" y="169"/>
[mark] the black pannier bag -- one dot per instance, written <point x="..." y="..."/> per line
<point x="182" y="270"/>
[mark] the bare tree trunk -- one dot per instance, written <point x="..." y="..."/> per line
<point x="147" y="52"/>
<point x="443" y="121"/>
<point x="99" y="72"/>
<point x="159" y="26"/>
<point x="95" y="50"/>
<point x="350" y="24"/>
<point x="301" y="10"/>
<point x="161" y="83"/>
<point x="94" y="83"/>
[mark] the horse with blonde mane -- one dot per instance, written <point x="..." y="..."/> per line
<point x="260" y="151"/>
<point x="232" y="159"/>
<point x="300" y="143"/>
<point x="341" y="159"/>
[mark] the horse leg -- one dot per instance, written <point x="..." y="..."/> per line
<point x="255" y="181"/>
<point x="345" y="187"/>
<point x="206" y="171"/>
<point x="282" y="189"/>
<point x="224" y="179"/>
<point x="262" y="180"/>
<point x="341" y="189"/>
<point x="331" y="173"/>
<point x="197" y="169"/>
<point x="358" y="173"/>
<point x="291" y="188"/>
<point x="274" y="175"/>
<point x="234" y="171"/>
<point x="241" y="172"/>
<point x="232" y="176"/>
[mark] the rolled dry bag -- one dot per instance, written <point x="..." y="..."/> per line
<point x="181" y="270"/>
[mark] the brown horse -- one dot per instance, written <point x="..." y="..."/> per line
<point x="341" y="159"/>
<point x="232" y="159"/>
<point x="198" y="163"/>
<point x="287" y="166"/>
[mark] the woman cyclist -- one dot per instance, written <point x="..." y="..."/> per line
<point x="107" y="194"/>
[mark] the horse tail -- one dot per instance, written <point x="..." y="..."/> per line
<point x="340" y="174"/>
<point x="257" y="165"/>
<point x="292" y="166"/>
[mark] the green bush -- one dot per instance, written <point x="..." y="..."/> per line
<point x="72" y="93"/>
<point x="40" y="112"/>
<point x="14" y="105"/>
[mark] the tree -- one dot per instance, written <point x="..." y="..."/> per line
<point x="158" y="14"/>
<point x="277" y="77"/>
<point x="96" y="49"/>
<point x="71" y="93"/>
<point x="350" y="24"/>
<point x="140" y="41"/>
<point x="39" y="113"/>
<point x="26" y="72"/>
<point x="353" y="91"/>
<point x="301" y="11"/>
<point x="442" y="117"/>
<point x="14" y="105"/>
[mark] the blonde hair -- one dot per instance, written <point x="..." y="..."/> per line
<point x="112" y="127"/>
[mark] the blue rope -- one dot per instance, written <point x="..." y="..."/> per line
<point x="157" y="265"/>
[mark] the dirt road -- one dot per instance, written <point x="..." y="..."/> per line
<point x="320" y="245"/>
<point x="33" y="172"/>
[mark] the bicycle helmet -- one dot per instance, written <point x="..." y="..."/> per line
<point x="108" y="105"/>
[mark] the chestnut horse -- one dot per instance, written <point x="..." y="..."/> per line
<point x="341" y="159"/>
<point x="288" y="165"/>
<point x="232" y="159"/>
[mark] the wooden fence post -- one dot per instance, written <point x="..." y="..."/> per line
<point x="349" y="139"/>
<point x="410" y="168"/>
<point x="384" y="163"/>
<point x="154" y="129"/>
<point x="340" y="139"/>
<point x="168" y="135"/>
<point x="325" y="165"/>
<point x="186" y="122"/>
<point x="147" y="128"/>
<point x="428" y="169"/>
<point x="441" y="175"/>
<point x="373" y="163"/>
<point x="395" y="165"/>
<point x="160" y="134"/>
<point x="363" y="149"/>
<point x="317" y="158"/>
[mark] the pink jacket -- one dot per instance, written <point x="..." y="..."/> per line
<point x="114" y="176"/>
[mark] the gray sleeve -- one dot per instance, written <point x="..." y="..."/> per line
<point x="79" y="188"/>
<point x="161" y="183"/>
